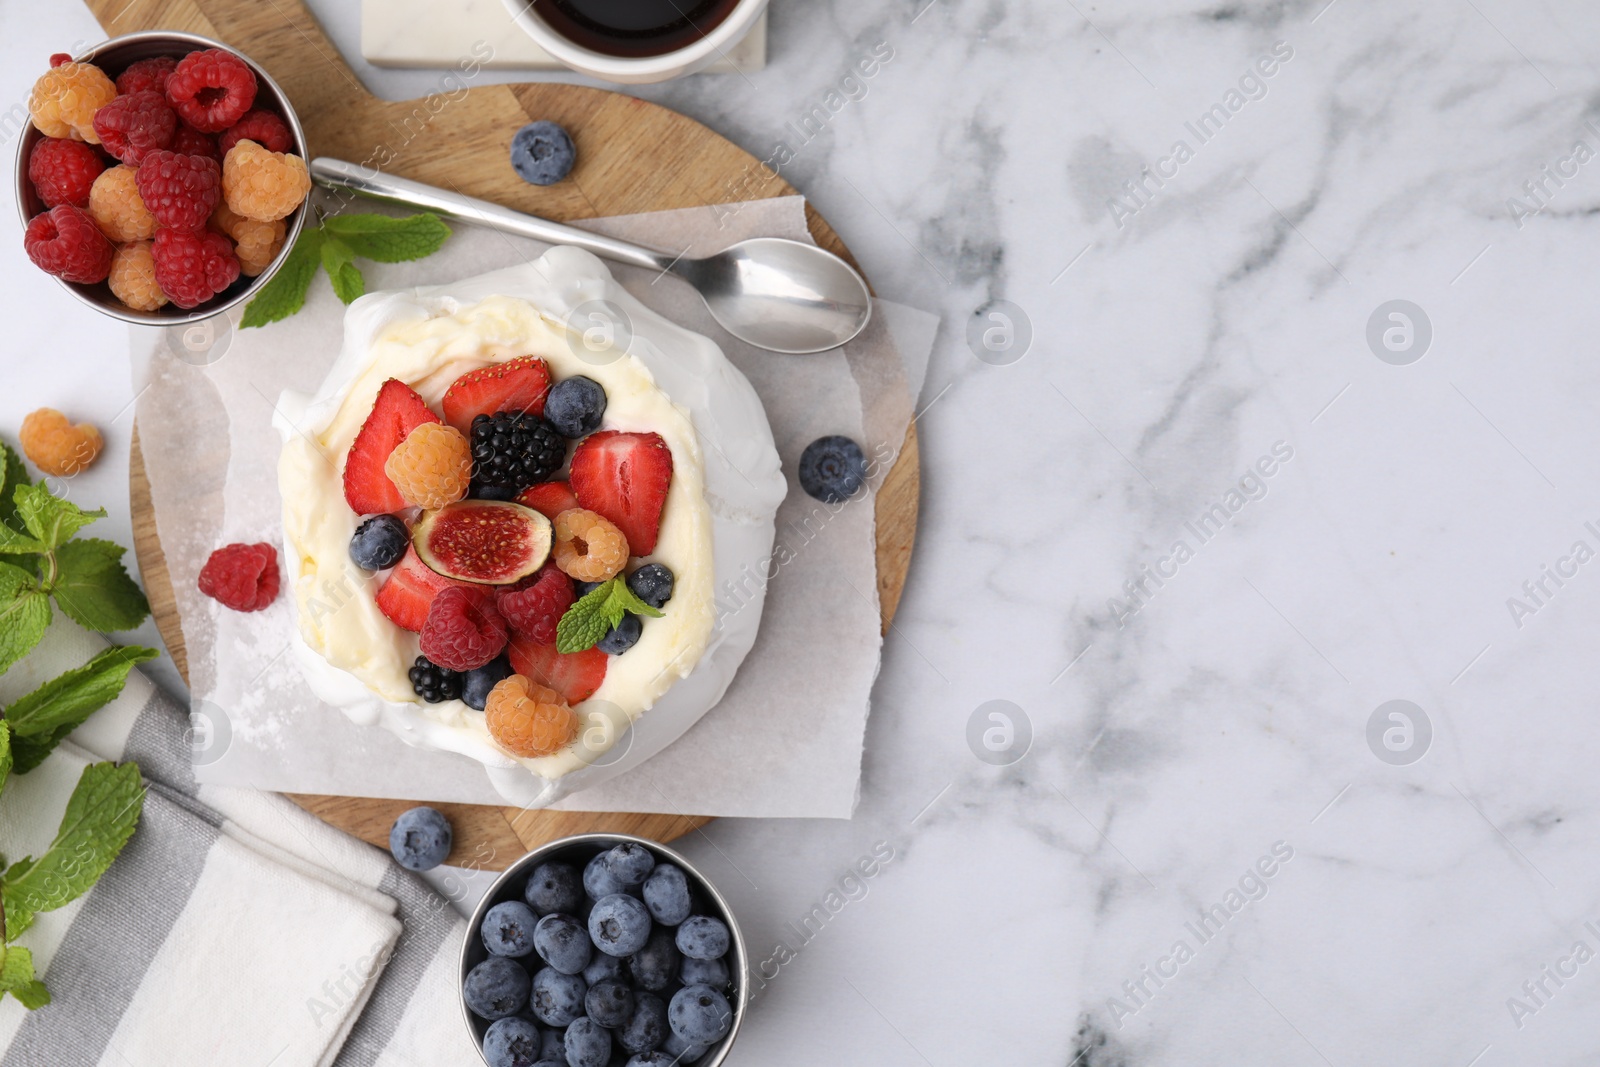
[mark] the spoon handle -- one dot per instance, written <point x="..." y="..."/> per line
<point x="369" y="182"/>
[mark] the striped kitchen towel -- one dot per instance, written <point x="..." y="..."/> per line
<point x="235" y="929"/>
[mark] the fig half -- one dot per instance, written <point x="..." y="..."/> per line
<point x="491" y="542"/>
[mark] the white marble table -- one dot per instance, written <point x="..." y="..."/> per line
<point x="1214" y="847"/>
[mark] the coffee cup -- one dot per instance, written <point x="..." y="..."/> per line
<point x="643" y="42"/>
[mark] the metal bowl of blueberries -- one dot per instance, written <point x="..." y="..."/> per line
<point x="600" y="950"/>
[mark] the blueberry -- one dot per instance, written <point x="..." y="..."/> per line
<point x="713" y="973"/>
<point x="496" y="988"/>
<point x="554" y="887"/>
<point x="512" y="1042"/>
<point x="666" y="894"/>
<point x="542" y="153"/>
<point x="479" y="491"/>
<point x="588" y="1044"/>
<point x="475" y="684"/>
<point x="832" y="469"/>
<point x="554" y="1047"/>
<point x="420" y="839"/>
<point x="575" y="405"/>
<point x="603" y="968"/>
<point x="508" y="929"/>
<point x="583" y="589"/>
<point x="598" y="881"/>
<point x="700" y="1014"/>
<point x="557" y="998"/>
<point x="700" y="937"/>
<point x="432" y="682"/>
<point x="631" y="863"/>
<point x="682" y="1051"/>
<point x="621" y="637"/>
<point x="609" y="1003"/>
<point x="648" y="1027"/>
<point x="653" y="1058"/>
<point x="652" y="584"/>
<point x="562" y="942"/>
<point x="619" y="925"/>
<point x="656" y="965"/>
<point x="379" y="543"/>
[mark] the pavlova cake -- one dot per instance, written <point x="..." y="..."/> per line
<point x="506" y="527"/>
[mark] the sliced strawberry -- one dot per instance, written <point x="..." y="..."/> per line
<point x="624" y="476"/>
<point x="575" y="675"/>
<point x="519" y="384"/>
<point x="399" y="410"/>
<point x="548" y="498"/>
<point x="408" y="592"/>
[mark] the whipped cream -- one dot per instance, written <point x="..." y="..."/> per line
<point x="717" y="521"/>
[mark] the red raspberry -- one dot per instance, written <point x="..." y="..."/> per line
<point x="241" y="577"/>
<point x="58" y="58"/>
<point x="262" y="127"/>
<point x="191" y="268"/>
<point x="189" y="141"/>
<point x="134" y="125"/>
<point x="180" y="191"/>
<point x="146" y="75"/>
<point x="64" y="241"/>
<point x="535" y="605"/>
<point x="211" y="89"/>
<point x="63" y="171"/>
<point x="463" y="631"/>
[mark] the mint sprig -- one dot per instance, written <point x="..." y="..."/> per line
<point x="596" y="612"/>
<point x="42" y="560"/>
<point x="334" y="244"/>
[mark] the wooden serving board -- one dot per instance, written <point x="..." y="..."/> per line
<point x="633" y="156"/>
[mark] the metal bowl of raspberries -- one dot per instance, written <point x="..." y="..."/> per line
<point x="601" y="949"/>
<point x="131" y="167"/>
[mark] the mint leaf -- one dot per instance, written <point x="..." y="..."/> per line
<point x="630" y="602"/>
<point x="597" y="611"/>
<point x="101" y="815"/>
<point x="5" y="753"/>
<point x="24" y="614"/>
<point x="387" y="239"/>
<point x="14" y="543"/>
<point x="17" y="920"/>
<point x="335" y="254"/>
<point x="17" y="978"/>
<point x="347" y="282"/>
<point x="69" y="699"/>
<point x="588" y="619"/>
<point x="32" y="994"/>
<point x="93" y="587"/>
<point x="50" y="518"/>
<point x="285" y="291"/>
<point x="12" y="475"/>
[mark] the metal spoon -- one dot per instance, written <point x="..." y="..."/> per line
<point x="777" y="294"/>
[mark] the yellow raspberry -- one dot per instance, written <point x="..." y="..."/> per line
<point x="64" y="100"/>
<point x="117" y="208"/>
<point x="528" y="720"/>
<point x="263" y="185"/>
<point x="256" y="243"/>
<point x="133" y="277"/>
<point x="56" y="446"/>
<point x="588" y="546"/>
<point x="432" y="467"/>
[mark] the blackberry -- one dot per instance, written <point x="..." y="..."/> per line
<point x="513" y="450"/>
<point x="434" y="683"/>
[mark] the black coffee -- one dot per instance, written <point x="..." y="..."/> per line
<point x="633" y="27"/>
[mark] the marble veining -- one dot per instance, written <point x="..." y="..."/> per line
<point x="1172" y="728"/>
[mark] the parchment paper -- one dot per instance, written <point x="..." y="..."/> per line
<point x="786" y="739"/>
